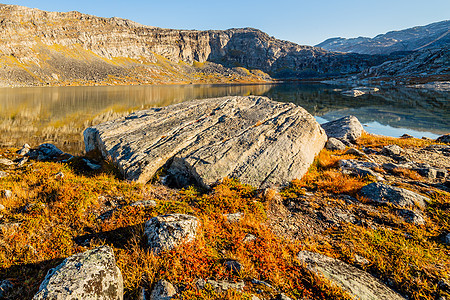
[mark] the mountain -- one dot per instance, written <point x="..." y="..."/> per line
<point x="434" y="35"/>
<point x="53" y="48"/>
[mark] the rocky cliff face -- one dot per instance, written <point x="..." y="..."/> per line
<point x="425" y="64"/>
<point x="434" y="35"/>
<point x="38" y="48"/>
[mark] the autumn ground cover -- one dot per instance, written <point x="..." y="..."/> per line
<point x="58" y="209"/>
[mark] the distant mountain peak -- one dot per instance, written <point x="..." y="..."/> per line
<point x="434" y="35"/>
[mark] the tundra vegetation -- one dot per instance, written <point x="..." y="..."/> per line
<point x="59" y="209"/>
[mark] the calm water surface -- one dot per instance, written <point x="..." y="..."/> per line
<point x="60" y="114"/>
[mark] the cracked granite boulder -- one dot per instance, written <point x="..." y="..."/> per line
<point x="259" y="141"/>
<point x="92" y="274"/>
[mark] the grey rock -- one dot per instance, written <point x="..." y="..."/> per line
<point x="233" y="266"/>
<point x="6" y="162"/>
<point x="359" y="168"/>
<point x="356" y="152"/>
<point x="45" y="152"/>
<point x="346" y="129"/>
<point x="359" y="284"/>
<point x="22" y="161"/>
<point x="259" y="141"/>
<point x="249" y="238"/>
<point x="163" y="290"/>
<point x="25" y="149"/>
<point x="168" y="231"/>
<point x="412" y="216"/>
<point x="260" y="282"/>
<point x="446" y="238"/>
<point x="406" y="136"/>
<point x="3" y="174"/>
<point x="334" y="144"/>
<point x="444" y="138"/>
<point x="360" y="260"/>
<point x="5" y="287"/>
<point x="391" y="150"/>
<point x="432" y="173"/>
<point x="6" y="194"/>
<point x="91" y="165"/>
<point x="383" y="193"/>
<point x="89" y="275"/>
<point x="220" y="285"/>
<point x="145" y="203"/>
<point x="234" y="218"/>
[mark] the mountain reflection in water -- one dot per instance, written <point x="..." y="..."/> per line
<point x="60" y="114"/>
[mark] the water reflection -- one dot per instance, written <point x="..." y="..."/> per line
<point x="59" y="115"/>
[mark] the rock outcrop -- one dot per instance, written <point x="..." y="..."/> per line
<point x="40" y="48"/>
<point x="383" y="193"/>
<point x="89" y="275"/>
<point x="359" y="284"/>
<point x="259" y="141"/>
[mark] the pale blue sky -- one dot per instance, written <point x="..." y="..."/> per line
<point x="302" y="22"/>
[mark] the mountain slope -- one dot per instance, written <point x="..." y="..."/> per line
<point x="434" y="35"/>
<point x="39" y="48"/>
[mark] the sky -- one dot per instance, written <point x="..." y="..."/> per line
<point x="302" y="22"/>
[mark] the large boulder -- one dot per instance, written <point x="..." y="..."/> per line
<point x="359" y="284"/>
<point x="347" y="129"/>
<point x="168" y="231"/>
<point x="259" y="141"/>
<point x="89" y="275"/>
<point x="383" y="193"/>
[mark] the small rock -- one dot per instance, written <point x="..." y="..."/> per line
<point x="249" y="238"/>
<point x="25" y="149"/>
<point x="356" y="152"/>
<point x="446" y="238"/>
<point x="163" y="290"/>
<point x="383" y="193"/>
<point x="406" y="136"/>
<point x="168" y="231"/>
<point x="6" y="194"/>
<point x="6" y="162"/>
<point x="91" y="165"/>
<point x="391" y="150"/>
<point x="2" y="207"/>
<point x="59" y="176"/>
<point x="45" y="152"/>
<point x="220" y="285"/>
<point x="444" y="138"/>
<point x="260" y="282"/>
<point x="346" y="129"/>
<point x="360" y="260"/>
<point x="22" y="161"/>
<point x="233" y="266"/>
<point x="145" y="203"/>
<point x="3" y="174"/>
<point x="5" y="286"/>
<point x="412" y="216"/>
<point x="254" y="297"/>
<point x="234" y="218"/>
<point x="359" y="168"/>
<point x="92" y="274"/>
<point x="334" y="144"/>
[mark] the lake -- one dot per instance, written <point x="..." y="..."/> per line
<point x="60" y="114"/>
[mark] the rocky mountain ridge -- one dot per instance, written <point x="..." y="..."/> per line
<point x="52" y="48"/>
<point x="435" y="35"/>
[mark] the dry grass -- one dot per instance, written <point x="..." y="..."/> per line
<point x="375" y="141"/>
